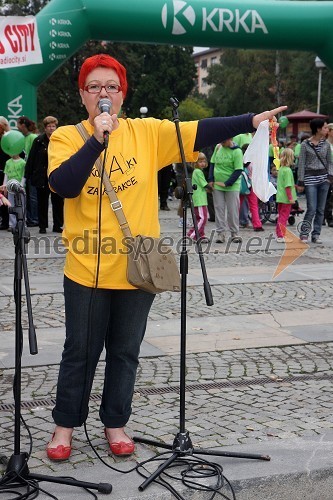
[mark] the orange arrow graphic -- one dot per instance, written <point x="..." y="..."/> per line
<point x="293" y="250"/>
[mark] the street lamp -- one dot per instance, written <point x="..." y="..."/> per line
<point x="143" y="111"/>
<point x="320" y="65"/>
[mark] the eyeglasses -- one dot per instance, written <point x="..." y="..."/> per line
<point x="110" y="87"/>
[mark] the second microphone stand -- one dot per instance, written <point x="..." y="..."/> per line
<point x="182" y="444"/>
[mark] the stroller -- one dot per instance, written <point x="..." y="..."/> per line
<point x="295" y="211"/>
<point x="268" y="211"/>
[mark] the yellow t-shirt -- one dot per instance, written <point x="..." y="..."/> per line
<point x="136" y="151"/>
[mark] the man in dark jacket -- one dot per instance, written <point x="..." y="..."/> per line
<point x="36" y="171"/>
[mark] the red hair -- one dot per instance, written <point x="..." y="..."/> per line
<point x="104" y="61"/>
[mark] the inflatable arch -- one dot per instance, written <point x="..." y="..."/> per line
<point x="65" y="25"/>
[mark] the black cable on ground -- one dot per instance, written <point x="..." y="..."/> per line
<point x="192" y="474"/>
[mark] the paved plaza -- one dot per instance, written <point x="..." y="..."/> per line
<point x="259" y="369"/>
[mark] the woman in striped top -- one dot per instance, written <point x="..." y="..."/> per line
<point x="315" y="173"/>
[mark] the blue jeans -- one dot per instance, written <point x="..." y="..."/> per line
<point x="316" y="196"/>
<point x="94" y="318"/>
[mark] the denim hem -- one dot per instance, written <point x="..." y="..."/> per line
<point x="69" y="421"/>
<point x="114" y="422"/>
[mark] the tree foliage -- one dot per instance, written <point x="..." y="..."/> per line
<point x="247" y="80"/>
<point x="21" y="7"/>
<point x="193" y="107"/>
<point x="241" y="82"/>
<point x="166" y="71"/>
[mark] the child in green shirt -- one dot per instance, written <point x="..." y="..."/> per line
<point x="286" y="192"/>
<point x="200" y="201"/>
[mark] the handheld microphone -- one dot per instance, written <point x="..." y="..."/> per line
<point x="105" y="105"/>
<point x="14" y="187"/>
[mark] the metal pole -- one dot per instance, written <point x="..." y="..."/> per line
<point x="319" y="90"/>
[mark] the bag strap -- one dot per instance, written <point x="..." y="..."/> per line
<point x="314" y="149"/>
<point x="115" y="203"/>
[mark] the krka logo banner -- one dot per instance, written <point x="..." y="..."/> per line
<point x="179" y="17"/>
<point x="19" y="42"/>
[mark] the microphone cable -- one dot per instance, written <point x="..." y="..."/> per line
<point x="88" y="376"/>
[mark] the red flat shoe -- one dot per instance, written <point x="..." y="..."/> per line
<point x="59" y="453"/>
<point x="121" y="449"/>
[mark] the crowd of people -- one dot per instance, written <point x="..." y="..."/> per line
<point x="224" y="192"/>
<point x="29" y="168"/>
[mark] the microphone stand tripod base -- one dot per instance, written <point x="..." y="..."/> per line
<point x="182" y="446"/>
<point x="18" y="471"/>
<point x="18" y="464"/>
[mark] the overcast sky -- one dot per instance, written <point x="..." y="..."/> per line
<point x="199" y="49"/>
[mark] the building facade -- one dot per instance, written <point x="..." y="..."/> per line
<point x="204" y="59"/>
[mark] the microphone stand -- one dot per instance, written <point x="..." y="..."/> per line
<point x="182" y="444"/>
<point x="17" y="471"/>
